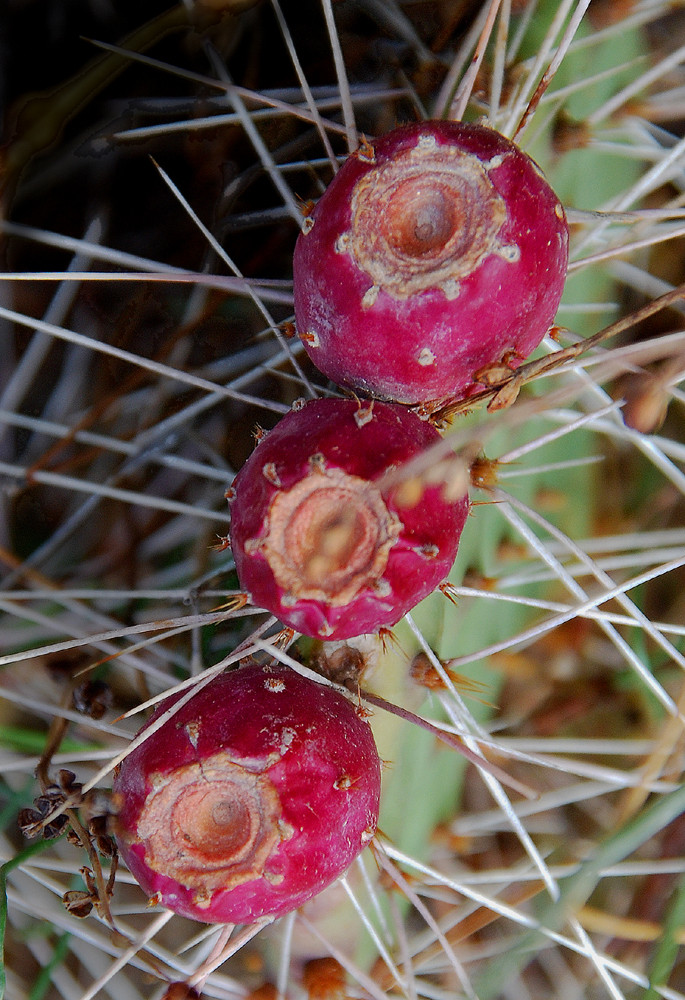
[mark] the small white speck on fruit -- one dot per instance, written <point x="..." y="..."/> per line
<point x="317" y="462"/>
<point x="367" y="835"/>
<point x="202" y="899"/>
<point x="450" y="288"/>
<point x="270" y="473"/>
<point x="538" y="171"/>
<point x="298" y="404"/>
<point x="311" y="338"/>
<point x="495" y="162"/>
<point x="558" y="210"/>
<point x="342" y="243"/>
<point x="382" y="588"/>
<point x="307" y="224"/>
<point x="510" y="252"/>
<point x="426" y="141"/>
<point x="426" y="357"/>
<point x="274" y="878"/>
<point x="155" y="900"/>
<point x="325" y="630"/>
<point x="342" y="784"/>
<point x="370" y="296"/>
<point x="428" y="551"/>
<point x="363" y="415"/>
<point x="285" y="830"/>
<point x="230" y="494"/>
<point x="274" y="684"/>
<point x="287" y="737"/>
<point x="193" y="731"/>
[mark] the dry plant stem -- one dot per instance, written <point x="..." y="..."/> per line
<point x="463" y="93"/>
<point x="554" y="64"/>
<point x="56" y="733"/>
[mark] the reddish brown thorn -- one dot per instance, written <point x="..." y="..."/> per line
<point x="284" y="638"/>
<point x="388" y="638"/>
<point x="306" y="206"/>
<point x="555" y="333"/>
<point x="224" y="542"/>
<point x="424" y="673"/>
<point x="365" y="150"/>
<point x="235" y="603"/>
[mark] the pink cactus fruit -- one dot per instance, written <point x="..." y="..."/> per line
<point x="436" y="252"/>
<point x="255" y="796"/>
<point x="327" y="536"/>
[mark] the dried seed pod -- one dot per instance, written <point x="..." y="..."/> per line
<point x="434" y="253"/>
<point x="256" y="795"/>
<point x="322" y="540"/>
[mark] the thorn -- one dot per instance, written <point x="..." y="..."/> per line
<point x="284" y="638"/>
<point x="235" y="603"/>
<point x="223" y="543"/>
<point x="365" y="151"/>
<point x="388" y="638"/>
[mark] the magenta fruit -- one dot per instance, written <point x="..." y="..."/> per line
<point x="436" y="252"/>
<point x="256" y="795"/>
<point x="322" y="541"/>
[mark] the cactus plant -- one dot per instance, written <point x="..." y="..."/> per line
<point x="137" y="367"/>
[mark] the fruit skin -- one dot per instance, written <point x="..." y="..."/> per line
<point x="436" y="251"/>
<point x="299" y="803"/>
<point x="356" y="556"/>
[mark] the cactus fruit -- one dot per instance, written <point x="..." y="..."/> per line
<point x="323" y="538"/>
<point x="254" y="796"/>
<point x="435" y="253"/>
